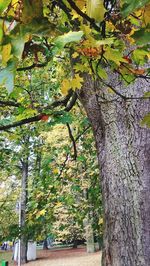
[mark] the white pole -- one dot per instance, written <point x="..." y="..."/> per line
<point x="19" y="242"/>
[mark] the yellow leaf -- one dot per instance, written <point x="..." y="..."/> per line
<point x="114" y="55"/>
<point x="76" y="82"/>
<point x="75" y="55"/>
<point x="80" y="3"/>
<point x="74" y="14"/>
<point x="82" y="68"/>
<point x="110" y="90"/>
<point x="96" y="9"/>
<point x="55" y="171"/>
<point x="146" y="15"/>
<point x="65" y="86"/>
<point x="58" y="204"/>
<point x="41" y="213"/>
<point x="100" y="221"/>
<point x="86" y="29"/>
<point x="6" y="53"/>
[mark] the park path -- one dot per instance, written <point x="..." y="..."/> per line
<point x="66" y="257"/>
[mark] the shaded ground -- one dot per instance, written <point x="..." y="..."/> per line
<point x="65" y="257"/>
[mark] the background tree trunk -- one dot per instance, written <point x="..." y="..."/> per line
<point x="123" y="148"/>
<point x="23" y="210"/>
<point x="89" y="232"/>
<point x="45" y="244"/>
<point x="90" y="247"/>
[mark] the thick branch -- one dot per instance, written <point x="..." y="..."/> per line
<point x="9" y="103"/>
<point x="83" y="15"/>
<point x="21" y="122"/>
<point x="32" y="66"/>
<point x="72" y="102"/>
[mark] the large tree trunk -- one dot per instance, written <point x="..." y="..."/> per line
<point x="123" y="148"/>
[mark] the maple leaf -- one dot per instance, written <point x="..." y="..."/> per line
<point x="55" y="171"/>
<point x="76" y="82"/>
<point x="40" y="213"/>
<point x="65" y="86"/>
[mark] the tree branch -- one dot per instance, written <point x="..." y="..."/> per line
<point x="83" y="15"/>
<point x="32" y="66"/>
<point x="21" y="122"/>
<point x="62" y="102"/>
<point x="72" y="102"/>
<point x="67" y="155"/>
<point x="73" y="141"/>
<point x="9" y="103"/>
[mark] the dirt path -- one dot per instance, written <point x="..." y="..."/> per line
<point x="67" y="257"/>
<point x="61" y="257"/>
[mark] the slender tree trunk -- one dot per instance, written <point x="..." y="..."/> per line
<point x="123" y="148"/>
<point x="89" y="233"/>
<point x="75" y="243"/>
<point x="45" y="244"/>
<point x="90" y="247"/>
<point x="23" y="210"/>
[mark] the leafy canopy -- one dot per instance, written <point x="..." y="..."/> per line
<point x="72" y="37"/>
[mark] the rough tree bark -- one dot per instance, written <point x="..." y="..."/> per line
<point x="123" y="148"/>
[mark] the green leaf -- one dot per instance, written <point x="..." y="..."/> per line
<point x="139" y="56"/>
<point x="141" y="37"/>
<point x="130" y="6"/>
<point x="3" y="5"/>
<point x="38" y="27"/>
<point x="71" y="36"/>
<point x="146" y="120"/>
<point x="105" y="41"/>
<point x="1" y="31"/>
<point x="18" y="46"/>
<point x="65" y="118"/>
<point x="26" y="113"/>
<point x="102" y="73"/>
<point x="114" y="55"/>
<point x="7" y="76"/>
<point x="147" y="94"/>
